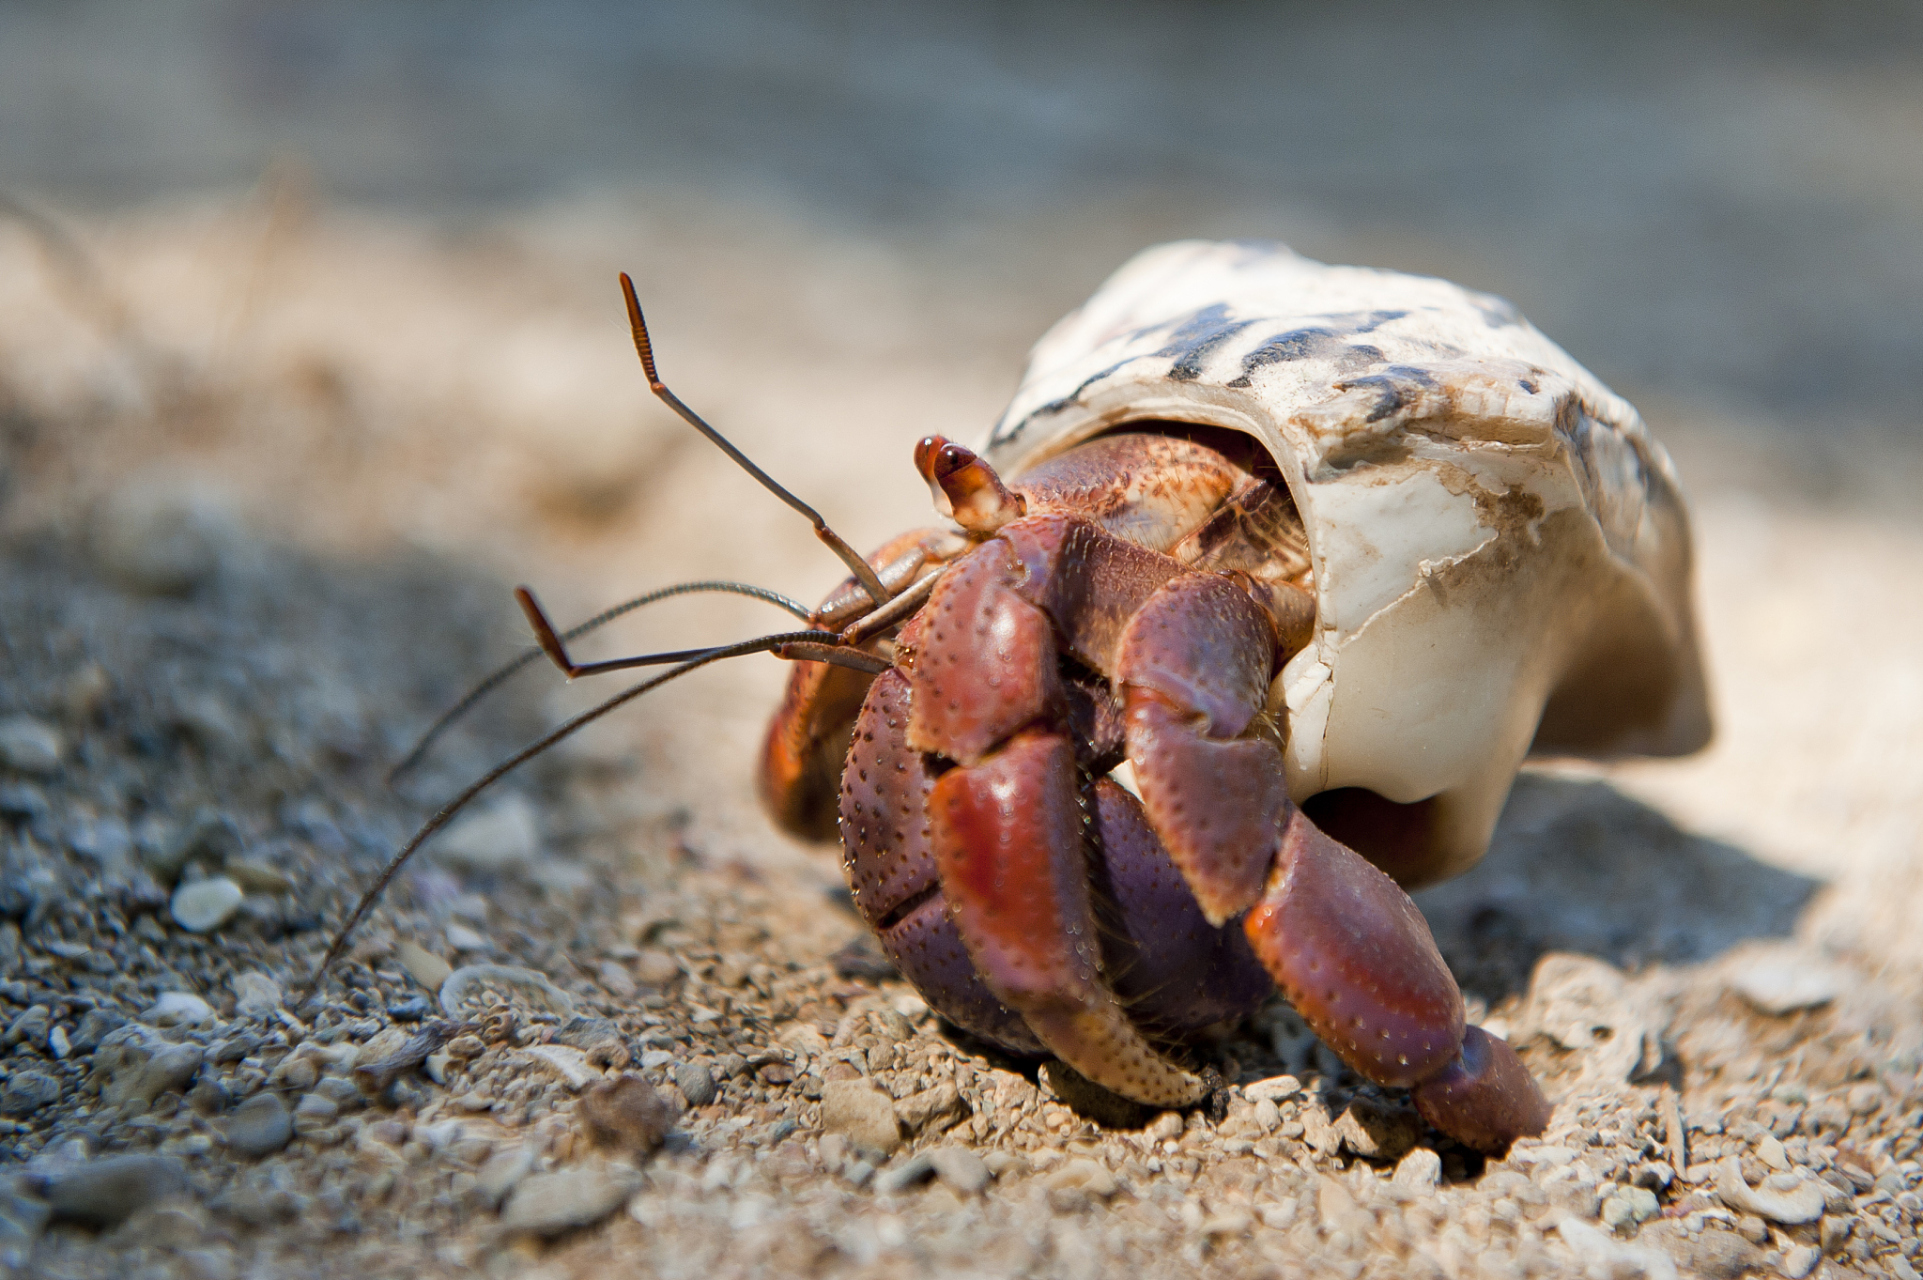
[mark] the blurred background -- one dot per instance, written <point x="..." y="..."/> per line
<point x="341" y="276"/>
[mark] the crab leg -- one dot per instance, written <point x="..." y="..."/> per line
<point x="1007" y="823"/>
<point x="1194" y="667"/>
<point x="891" y="870"/>
<point x="1342" y="940"/>
<point x="1008" y="839"/>
<point x="807" y="740"/>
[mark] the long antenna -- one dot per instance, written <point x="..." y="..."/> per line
<point x="644" y="348"/>
<point x="495" y="678"/>
<point x="761" y="644"/>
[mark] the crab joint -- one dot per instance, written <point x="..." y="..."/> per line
<point x="966" y="487"/>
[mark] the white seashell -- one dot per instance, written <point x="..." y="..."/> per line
<point x="1791" y="1206"/>
<point x="1500" y="551"/>
<point x="477" y="980"/>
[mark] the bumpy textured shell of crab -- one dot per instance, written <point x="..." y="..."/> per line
<point x="1500" y="551"/>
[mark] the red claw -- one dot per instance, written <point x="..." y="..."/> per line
<point x="1356" y="959"/>
<point x="1008" y="840"/>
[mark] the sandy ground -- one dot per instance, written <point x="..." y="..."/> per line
<point x="268" y="471"/>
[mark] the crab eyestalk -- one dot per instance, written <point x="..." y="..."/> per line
<point x="965" y="487"/>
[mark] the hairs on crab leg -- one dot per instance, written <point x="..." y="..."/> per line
<point x="814" y="642"/>
<point x="495" y="678"/>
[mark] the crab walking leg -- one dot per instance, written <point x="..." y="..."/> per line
<point x="890" y="866"/>
<point x="1194" y="666"/>
<point x="1356" y="959"/>
<point x="1008" y="841"/>
<point x="1172" y="970"/>
<point x="807" y="739"/>
<point x="806" y="743"/>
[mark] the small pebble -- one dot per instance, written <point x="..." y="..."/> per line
<point x="503" y="1170"/>
<point x="617" y="980"/>
<point x="423" y="965"/>
<point x="315" y="1109"/>
<point x="255" y="995"/>
<point x="654" y="968"/>
<point x="918" y="1111"/>
<point x="626" y="1113"/>
<point x="960" y="1168"/>
<point x="862" y="1113"/>
<point x="32" y="1026"/>
<point x="1780" y="985"/>
<point x="177" y="1009"/>
<point x="85" y="691"/>
<point x="1275" y="1089"/>
<point x="1800" y="1260"/>
<point x="25" y="1092"/>
<point x="256" y="876"/>
<point x="260" y="1126"/>
<point x="201" y="906"/>
<point x="296" y="1073"/>
<point x="506" y="836"/>
<point x="1418" y="1173"/>
<point x="696" y="1083"/>
<point x="102" y="1193"/>
<point x="412" y="1009"/>
<point x="1078" y="1181"/>
<point x="30" y="746"/>
<point x="911" y="1172"/>
<point x="462" y="938"/>
<point x="546" y="1204"/>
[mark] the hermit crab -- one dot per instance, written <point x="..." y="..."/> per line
<point x="1249" y="610"/>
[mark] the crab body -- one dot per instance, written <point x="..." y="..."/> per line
<point x="1320" y="553"/>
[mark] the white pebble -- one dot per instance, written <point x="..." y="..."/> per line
<point x="1274" y="1089"/>
<point x="462" y="938"/>
<point x="255" y="995"/>
<point x="423" y="965"/>
<point x="1418" y="1173"/>
<point x="503" y="837"/>
<point x="1783" y="984"/>
<point x="178" y="1009"/>
<point x="201" y="906"/>
<point x="30" y="746"/>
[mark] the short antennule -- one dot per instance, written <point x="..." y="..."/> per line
<point x="644" y="347"/>
<point x="965" y="487"/>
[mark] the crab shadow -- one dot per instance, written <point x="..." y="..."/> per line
<point x="1576" y="865"/>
